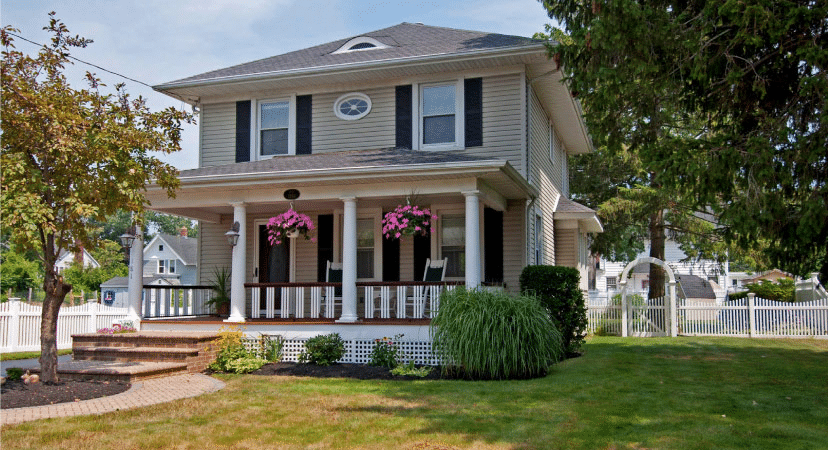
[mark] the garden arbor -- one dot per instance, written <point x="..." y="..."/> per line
<point x="649" y="320"/>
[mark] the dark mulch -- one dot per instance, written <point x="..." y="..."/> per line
<point x="16" y="394"/>
<point x="356" y="371"/>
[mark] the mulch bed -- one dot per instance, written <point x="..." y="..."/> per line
<point x="16" y="394"/>
<point x="355" y="371"/>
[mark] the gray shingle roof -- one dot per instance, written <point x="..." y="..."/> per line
<point x="692" y="286"/>
<point x="566" y="205"/>
<point x="186" y="247"/>
<point x="406" y="40"/>
<point x="336" y="160"/>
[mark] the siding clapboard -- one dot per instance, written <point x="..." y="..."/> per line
<point x="217" y="142"/>
<point x="514" y="245"/>
<point x="376" y="130"/>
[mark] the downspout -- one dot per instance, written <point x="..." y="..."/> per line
<point x="531" y="202"/>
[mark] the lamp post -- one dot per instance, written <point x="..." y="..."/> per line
<point x="126" y="241"/>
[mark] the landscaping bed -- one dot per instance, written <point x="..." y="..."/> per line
<point x="355" y="371"/>
<point x="16" y="394"/>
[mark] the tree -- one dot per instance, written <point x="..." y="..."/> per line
<point x="70" y="157"/>
<point x="18" y="273"/>
<point x="723" y="102"/>
<point x="165" y="223"/>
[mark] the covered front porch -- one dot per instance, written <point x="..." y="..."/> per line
<point x="480" y="232"/>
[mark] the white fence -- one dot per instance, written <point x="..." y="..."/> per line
<point x="357" y="351"/>
<point x="20" y="324"/>
<point x="750" y="317"/>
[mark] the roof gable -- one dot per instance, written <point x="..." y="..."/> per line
<point x="185" y="248"/>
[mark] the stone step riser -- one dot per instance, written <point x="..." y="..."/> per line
<point x="126" y="357"/>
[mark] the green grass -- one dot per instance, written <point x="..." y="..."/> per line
<point x="624" y="393"/>
<point x="29" y="355"/>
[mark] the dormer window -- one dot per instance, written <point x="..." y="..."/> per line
<point x="358" y="44"/>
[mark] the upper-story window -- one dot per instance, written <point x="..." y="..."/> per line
<point x="274" y="127"/>
<point x="552" y="144"/>
<point x="360" y="43"/>
<point x="352" y="106"/>
<point x="162" y="265"/>
<point x="160" y="247"/>
<point x="438" y="108"/>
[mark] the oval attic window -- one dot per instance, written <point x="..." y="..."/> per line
<point x="352" y="106"/>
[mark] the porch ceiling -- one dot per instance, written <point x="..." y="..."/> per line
<point x="380" y="178"/>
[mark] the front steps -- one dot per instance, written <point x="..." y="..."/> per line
<point x="136" y="356"/>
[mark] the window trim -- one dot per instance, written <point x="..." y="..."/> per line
<point x="349" y="96"/>
<point x="162" y="267"/>
<point x="443" y="211"/>
<point x="538" y="239"/>
<point x="171" y="266"/>
<point x="459" y="116"/>
<point x="257" y="133"/>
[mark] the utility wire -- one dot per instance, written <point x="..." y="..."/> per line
<point x="85" y="62"/>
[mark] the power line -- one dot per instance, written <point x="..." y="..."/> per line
<point x="86" y="62"/>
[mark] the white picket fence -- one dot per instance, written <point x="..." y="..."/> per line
<point x="750" y="317"/>
<point x="20" y="324"/>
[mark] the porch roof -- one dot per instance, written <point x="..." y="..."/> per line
<point x="328" y="176"/>
<point x="587" y="219"/>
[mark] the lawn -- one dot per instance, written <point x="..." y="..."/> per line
<point x="28" y="355"/>
<point x="636" y="393"/>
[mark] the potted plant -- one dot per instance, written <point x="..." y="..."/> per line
<point x="407" y="220"/>
<point x="289" y="224"/>
<point x="221" y="291"/>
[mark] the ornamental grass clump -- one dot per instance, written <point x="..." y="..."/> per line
<point x="492" y="335"/>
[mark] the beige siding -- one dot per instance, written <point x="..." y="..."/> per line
<point x="214" y="252"/>
<point x="546" y="175"/>
<point x="407" y="261"/>
<point x="514" y="245"/>
<point x="567" y="252"/>
<point x="503" y="134"/>
<point x="217" y="142"/>
<point x="376" y="130"/>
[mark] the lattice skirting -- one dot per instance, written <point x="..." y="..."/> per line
<point x="356" y="351"/>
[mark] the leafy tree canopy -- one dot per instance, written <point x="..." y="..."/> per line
<point x="723" y="102"/>
<point x="71" y="157"/>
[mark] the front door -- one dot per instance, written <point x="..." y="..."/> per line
<point x="274" y="263"/>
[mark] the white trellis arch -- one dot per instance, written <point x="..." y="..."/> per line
<point x="671" y="318"/>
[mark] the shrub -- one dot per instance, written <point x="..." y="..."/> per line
<point x="14" y="373"/>
<point x="385" y="352"/>
<point x="233" y="356"/>
<point x="491" y="335"/>
<point x="411" y="371"/>
<point x="558" y="289"/>
<point x="272" y="347"/>
<point x="323" y="350"/>
<point x="783" y="291"/>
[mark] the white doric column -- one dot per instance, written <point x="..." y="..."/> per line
<point x="135" y="285"/>
<point x="349" y="261"/>
<point x="237" y="268"/>
<point x="473" y="275"/>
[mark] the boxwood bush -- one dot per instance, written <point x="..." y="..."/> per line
<point x="491" y="335"/>
<point x="782" y="291"/>
<point x="558" y="288"/>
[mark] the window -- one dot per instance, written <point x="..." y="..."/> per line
<point x="453" y="244"/>
<point x="612" y="283"/>
<point x="161" y="265"/>
<point x="360" y="43"/>
<point x="274" y="124"/>
<point x="538" y="239"/>
<point x="552" y="144"/>
<point x="160" y="247"/>
<point x="438" y="105"/>
<point x="365" y="248"/>
<point x="171" y="266"/>
<point x="352" y="106"/>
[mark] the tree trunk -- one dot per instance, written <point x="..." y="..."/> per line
<point x="56" y="291"/>
<point x="657" y="239"/>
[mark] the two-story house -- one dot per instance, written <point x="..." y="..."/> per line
<point x="475" y="126"/>
<point x="174" y="257"/>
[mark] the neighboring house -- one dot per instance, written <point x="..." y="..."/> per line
<point x="67" y="258"/>
<point x="606" y="275"/>
<point x="172" y="256"/>
<point x="476" y="126"/>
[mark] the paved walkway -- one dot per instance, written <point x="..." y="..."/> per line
<point x="142" y="393"/>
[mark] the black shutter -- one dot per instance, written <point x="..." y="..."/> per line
<point x="243" y="131"/>
<point x="404" y="116"/>
<point x="324" y="244"/>
<point x="390" y="259"/>
<point x="473" y="99"/>
<point x="422" y="251"/>
<point x="493" y="245"/>
<point x="303" y="124"/>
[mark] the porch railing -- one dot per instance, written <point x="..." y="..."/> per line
<point x="176" y="301"/>
<point x="378" y="299"/>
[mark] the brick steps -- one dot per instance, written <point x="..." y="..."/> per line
<point x="136" y="356"/>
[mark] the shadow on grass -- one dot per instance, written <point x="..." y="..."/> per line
<point x="638" y="392"/>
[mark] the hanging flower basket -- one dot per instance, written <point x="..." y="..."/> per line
<point x="289" y="224"/>
<point x="407" y="220"/>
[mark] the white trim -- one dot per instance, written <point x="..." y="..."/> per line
<point x="349" y="96"/>
<point x="346" y="47"/>
<point x="257" y="127"/>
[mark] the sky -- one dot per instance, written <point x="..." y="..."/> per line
<point x="156" y="41"/>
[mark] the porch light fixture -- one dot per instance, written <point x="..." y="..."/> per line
<point x="128" y="238"/>
<point x="233" y="235"/>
